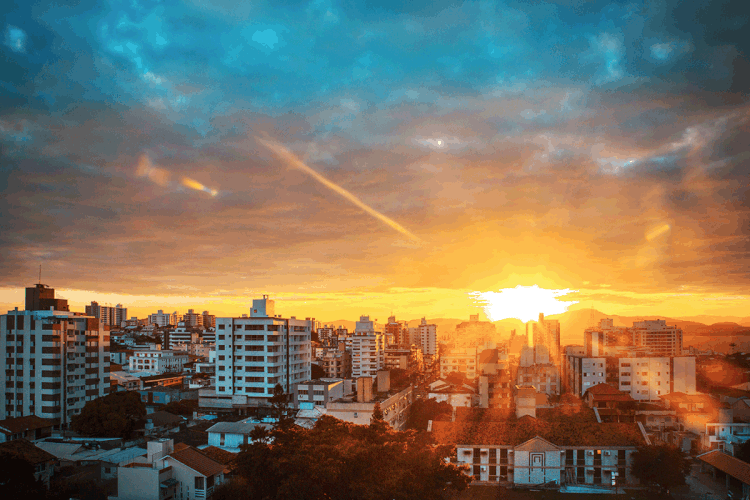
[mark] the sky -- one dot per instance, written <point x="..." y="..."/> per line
<point x="365" y="157"/>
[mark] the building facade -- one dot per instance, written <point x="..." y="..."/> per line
<point x="255" y="353"/>
<point x="54" y="362"/>
<point x="645" y="378"/>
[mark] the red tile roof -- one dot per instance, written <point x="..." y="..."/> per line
<point x="22" y="424"/>
<point x="728" y="464"/>
<point x="199" y="462"/>
<point x="603" y="389"/>
<point x="559" y="433"/>
<point x="21" y="448"/>
<point x="219" y="455"/>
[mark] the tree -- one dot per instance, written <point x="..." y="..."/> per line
<point x="316" y="372"/>
<point x="115" y="415"/>
<point x="424" y="410"/>
<point x="662" y="465"/>
<point x="377" y="414"/>
<point x="280" y="403"/>
<point x="743" y="453"/>
<point x="17" y="478"/>
<point x="337" y="460"/>
<point x="184" y="407"/>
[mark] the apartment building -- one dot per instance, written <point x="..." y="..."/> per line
<point x="644" y="338"/>
<point x="162" y="319"/>
<point x="427" y="338"/>
<point x="538" y="369"/>
<point x="461" y="359"/>
<point x="646" y="378"/>
<point x="209" y="320"/>
<point x="395" y="330"/>
<point x="255" y="353"/>
<point x="182" y="334"/>
<point x="335" y="361"/>
<point x="367" y="347"/>
<point x="192" y="319"/>
<point x="545" y="332"/>
<point x="54" y="360"/>
<point x="107" y="315"/>
<point x="158" y="361"/>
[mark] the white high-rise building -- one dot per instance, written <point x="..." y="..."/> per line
<point x="54" y="361"/>
<point x="255" y="353"/>
<point x="112" y="316"/>
<point x="367" y="348"/>
<point x="427" y="338"/>
<point x="162" y="319"/>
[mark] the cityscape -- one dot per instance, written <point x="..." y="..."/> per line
<point x="327" y="250"/>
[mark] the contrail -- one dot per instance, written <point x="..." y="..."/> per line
<point x="292" y="160"/>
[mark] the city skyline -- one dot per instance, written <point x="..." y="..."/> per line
<point x="351" y="160"/>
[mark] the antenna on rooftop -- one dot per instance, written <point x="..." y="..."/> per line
<point x="40" y="274"/>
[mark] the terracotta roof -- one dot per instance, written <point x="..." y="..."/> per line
<point x="603" y="389"/>
<point x="197" y="461"/>
<point x="26" y="450"/>
<point x="516" y="432"/>
<point x="728" y="464"/>
<point x="218" y="455"/>
<point x="22" y="424"/>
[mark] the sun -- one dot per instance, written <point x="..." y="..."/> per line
<point x="522" y="302"/>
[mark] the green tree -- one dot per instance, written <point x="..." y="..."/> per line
<point x="662" y="465"/>
<point x="337" y="460"/>
<point x="115" y="415"/>
<point x="424" y="410"/>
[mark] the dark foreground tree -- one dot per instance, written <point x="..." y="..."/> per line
<point x="337" y="460"/>
<point x="424" y="410"/>
<point x="114" y="415"/>
<point x="662" y="465"/>
<point x="184" y="407"/>
<point x="17" y="479"/>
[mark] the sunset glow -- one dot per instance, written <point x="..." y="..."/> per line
<point x="523" y="302"/>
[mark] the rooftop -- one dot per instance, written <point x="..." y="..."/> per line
<point x="728" y="464"/>
<point x="22" y="424"/>
<point x="526" y="428"/>
<point x="198" y="461"/>
<point x="26" y="450"/>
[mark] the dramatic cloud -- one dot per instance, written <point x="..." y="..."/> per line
<point x="448" y="147"/>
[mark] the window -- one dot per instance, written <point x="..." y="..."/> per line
<point x="199" y="482"/>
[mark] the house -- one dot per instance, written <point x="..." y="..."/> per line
<point x="231" y="436"/>
<point x="161" y="422"/>
<point x="43" y="462"/>
<point x="606" y="396"/>
<point x="454" y="394"/>
<point x="29" y="427"/>
<point x="561" y="447"/>
<point x="169" y="471"/>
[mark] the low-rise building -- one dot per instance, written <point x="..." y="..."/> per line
<point x="231" y="436"/>
<point x="169" y="471"/>
<point x="461" y="360"/>
<point x="358" y="410"/>
<point x="42" y="462"/>
<point x="29" y="427"/>
<point x="551" y="447"/>
<point x="318" y="392"/>
<point x="155" y="360"/>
